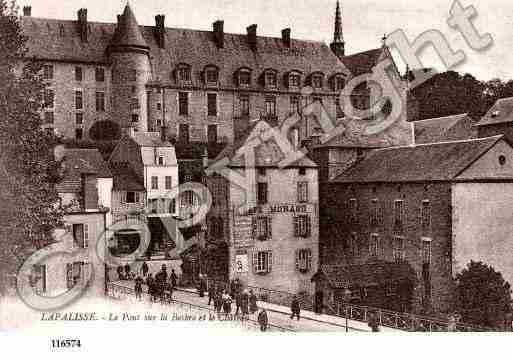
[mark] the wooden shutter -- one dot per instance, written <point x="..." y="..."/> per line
<point x="380" y="213"/>
<point x="297" y="260"/>
<point x="296" y="226"/>
<point x="269" y="227"/>
<point x="255" y="262"/>
<point x="269" y="261"/>
<point x="309" y="260"/>
<point x="308" y="226"/>
<point x="69" y="275"/>
<point x="254" y="226"/>
<point x="86" y="236"/>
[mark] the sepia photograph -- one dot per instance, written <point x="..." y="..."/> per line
<point x="340" y="169"/>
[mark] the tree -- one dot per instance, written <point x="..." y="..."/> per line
<point x="483" y="297"/>
<point x="28" y="169"/>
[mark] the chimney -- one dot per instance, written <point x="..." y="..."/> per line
<point x="89" y="191"/>
<point x="218" y="30"/>
<point x="27" y="11"/>
<point x="285" y="37"/>
<point x="252" y="36"/>
<point x="160" y="30"/>
<point x="82" y="24"/>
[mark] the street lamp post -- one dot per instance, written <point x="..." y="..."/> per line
<point x="347" y="297"/>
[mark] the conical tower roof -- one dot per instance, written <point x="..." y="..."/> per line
<point x="127" y="33"/>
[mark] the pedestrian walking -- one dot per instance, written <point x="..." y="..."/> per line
<point x="244" y="304"/>
<point x="211" y="293"/>
<point x="174" y="278"/>
<point x="144" y="269"/>
<point x="263" y="320"/>
<point x="227" y="303"/>
<point x="138" y="287"/>
<point x="238" y="302"/>
<point x="218" y="301"/>
<point x="295" y="308"/>
<point x="252" y="302"/>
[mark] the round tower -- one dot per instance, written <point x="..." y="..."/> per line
<point x="131" y="71"/>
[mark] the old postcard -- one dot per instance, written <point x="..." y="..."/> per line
<point x="255" y="166"/>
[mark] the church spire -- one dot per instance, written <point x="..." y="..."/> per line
<point x="338" y="44"/>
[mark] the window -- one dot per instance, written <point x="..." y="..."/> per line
<point x="353" y="210"/>
<point x="353" y="244"/>
<point x="154" y="205"/>
<point x="134" y="117"/>
<point x="302" y="192"/>
<point x="169" y="182"/>
<point x="302" y="226"/>
<point x="390" y="290"/>
<point x="426" y="251"/>
<point x="262" y="193"/>
<point x="398" y="249"/>
<point x="39" y="278"/>
<point x="262" y="262"/>
<point x="426" y="215"/>
<point x="78" y="73"/>
<point x="184" y="73"/>
<point x="261" y="171"/>
<point x="134" y="104"/>
<point x="338" y="107"/>
<point x="212" y="104"/>
<point x="294" y="80"/>
<point x="48" y="98"/>
<point x="47" y="72"/>
<point x="74" y="273"/>
<point x="160" y="161"/>
<point x="294" y="104"/>
<point x="187" y="198"/>
<point x="81" y="235"/>
<point x="340" y="83"/>
<point x="50" y="131"/>
<point x="270" y="79"/>
<point x="183" y="103"/>
<point x="159" y="106"/>
<point x="244" y="78"/>
<point x="211" y="75"/>
<point x="398" y="214"/>
<point x="79" y="100"/>
<point x="154" y="182"/>
<point x="132" y="197"/>
<point x="302" y="171"/>
<point x="100" y="101"/>
<point x="374" y="245"/>
<point x="212" y="133"/>
<point x="262" y="228"/>
<point x="48" y="117"/>
<point x="79" y="133"/>
<point x="183" y="133"/>
<point x="244" y="105"/>
<point x="317" y="81"/>
<point x="303" y="260"/>
<point x="132" y="76"/>
<point x="376" y="213"/>
<point x="99" y="74"/>
<point x="270" y="106"/>
<point x="79" y="118"/>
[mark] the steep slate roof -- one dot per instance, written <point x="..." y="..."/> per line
<point x="125" y="178"/>
<point x="59" y="40"/>
<point x="362" y="62"/>
<point x="267" y="154"/>
<point x="431" y="162"/>
<point x="439" y="129"/>
<point x="127" y="32"/>
<point x="365" y="275"/>
<point x="500" y="112"/>
<point x="78" y="162"/>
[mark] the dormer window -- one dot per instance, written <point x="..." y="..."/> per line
<point x="317" y="80"/>
<point x="211" y="75"/>
<point x="244" y="77"/>
<point x="294" y="80"/>
<point x="270" y="78"/>
<point x="183" y="73"/>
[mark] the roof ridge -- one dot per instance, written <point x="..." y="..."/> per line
<point x="480" y="139"/>
<point x="442" y="117"/>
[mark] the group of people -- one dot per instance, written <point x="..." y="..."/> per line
<point x="160" y="287"/>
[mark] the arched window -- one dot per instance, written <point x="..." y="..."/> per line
<point x="317" y="80"/>
<point x="294" y="80"/>
<point x="270" y="79"/>
<point x="211" y="75"/>
<point x="243" y="77"/>
<point x="338" y="82"/>
<point x="183" y="73"/>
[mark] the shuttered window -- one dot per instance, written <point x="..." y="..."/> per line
<point x="262" y="262"/>
<point x="303" y="260"/>
<point x="80" y="235"/>
<point x="302" y="192"/>
<point x="262" y="228"/>
<point x="302" y="226"/>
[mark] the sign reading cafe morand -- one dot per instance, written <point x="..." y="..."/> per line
<point x="274" y="208"/>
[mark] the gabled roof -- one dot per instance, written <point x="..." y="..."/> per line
<point x="59" y="40"/>
<point x="430" y="162"/>
<point x="439" y="129"/>
<point x="500" y="112"/>
<point x="367" y="274"/>
<point x="79" y="161"/>
<point x="125" y="178"/>
<point x="362" y="62"/>
<point x="266" y="154"/>
<point x="150" y="140"/>
<point x="128" y="32"/>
